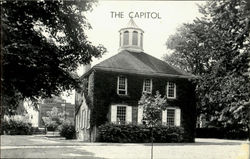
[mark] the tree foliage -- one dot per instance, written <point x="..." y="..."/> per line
<point x="54" y="118"/>
<point x="152" y="108"/>
<point x="43" y="42"/>
<point x="216" y="48"/>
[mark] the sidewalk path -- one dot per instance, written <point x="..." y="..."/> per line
<point x="43" y="147"/>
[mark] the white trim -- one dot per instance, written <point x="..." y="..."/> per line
<point x="177" y="116"/>
<point x="85" y="118"/>
<point x="128" y="114"/>
<point x="126" y="85"/>
<point x="140" y="114"/>
<point x="88" y="119"/>
<point x="151" y="85"/>
<point x="113" y="113"/>
<point x="164" y="117"/>
<point x="174" y="91"/>
<point x="82" y="121"/>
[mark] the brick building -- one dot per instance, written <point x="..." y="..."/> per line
<point x="111" y="89"/>
<point x="60" y="104"/>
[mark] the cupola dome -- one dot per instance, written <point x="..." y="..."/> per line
<point x="131" y="37"/>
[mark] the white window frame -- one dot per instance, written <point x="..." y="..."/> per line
<point x="126" y="85"/>
<point x="125" y="113"/>
<point x="177" y="116"/>
<point x="128" y="118"/>
<point x="144" y="86"/>
<point x="168" y="115"/>
<point x="174" y="97"/>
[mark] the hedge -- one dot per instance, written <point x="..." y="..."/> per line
<point x="67" y="130"/>
<point x="15" y="127"/>
<point x="129" y="133"/>
<point x="221" y="133"/>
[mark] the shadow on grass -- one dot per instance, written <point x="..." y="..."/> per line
<point x="195" y="144"/>
<point x="48" y="153"/>
<point x="198" y="143"/>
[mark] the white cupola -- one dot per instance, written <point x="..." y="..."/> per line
<point x="131" y="37"/>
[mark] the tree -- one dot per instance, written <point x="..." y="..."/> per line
<point x="54" y="118"/>
<point x="152" y="109"/>
<point x="216" y="48"/>
<point x="43" y="42"/>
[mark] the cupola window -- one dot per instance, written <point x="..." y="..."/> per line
<point x="120" y="40"/>
<point x="141" y="40"/>
<point x="126" y="38"/>
<point x="131" y="37"/>
<point x="135" y="38"/>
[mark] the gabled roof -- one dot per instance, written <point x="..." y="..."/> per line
<point x="140" y="63"/>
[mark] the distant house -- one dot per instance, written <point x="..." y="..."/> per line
<point x="111" y="89"/>
<point x="60" y="104"/>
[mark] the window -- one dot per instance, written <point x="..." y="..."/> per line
<point x="121" y="114"/>
<point x="126" y="38"/>
<point x="147" y="85"/>
<point x="120" y="44"/>
<point x="170" y="117"/>
<point x="122" y="85"/>
<point x="171" y="90"/>
<point x="135" y="38"/>
<point x="141" y="40"/>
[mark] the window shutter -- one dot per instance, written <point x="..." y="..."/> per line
<point x="140" y="114"/>
<point x="82" y="119"/>
<point x="113" y="113"/>
<point x="88" y="119"/>
<point x="85" y="118"/>
<point x="164" y="116"/>
<point x="177" y="117"/>
<point x="129" y="114"/>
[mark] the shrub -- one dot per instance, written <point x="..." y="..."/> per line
<point x="67" y="130"/>
<point x="221" y="133"/>
<point x="138" y="133"/>
<point x="52" y="126"/>
<point x="17" y="127"/>
<point x="36" y="130"/>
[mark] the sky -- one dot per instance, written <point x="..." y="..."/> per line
<point x="158" y="20"/>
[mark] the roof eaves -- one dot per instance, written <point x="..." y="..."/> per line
<point x="143" y="73"/>
<point x="86" y="73"/>
<point x="173" y="67"/>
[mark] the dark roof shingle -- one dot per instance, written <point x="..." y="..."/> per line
<point x="139" y="63"/>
